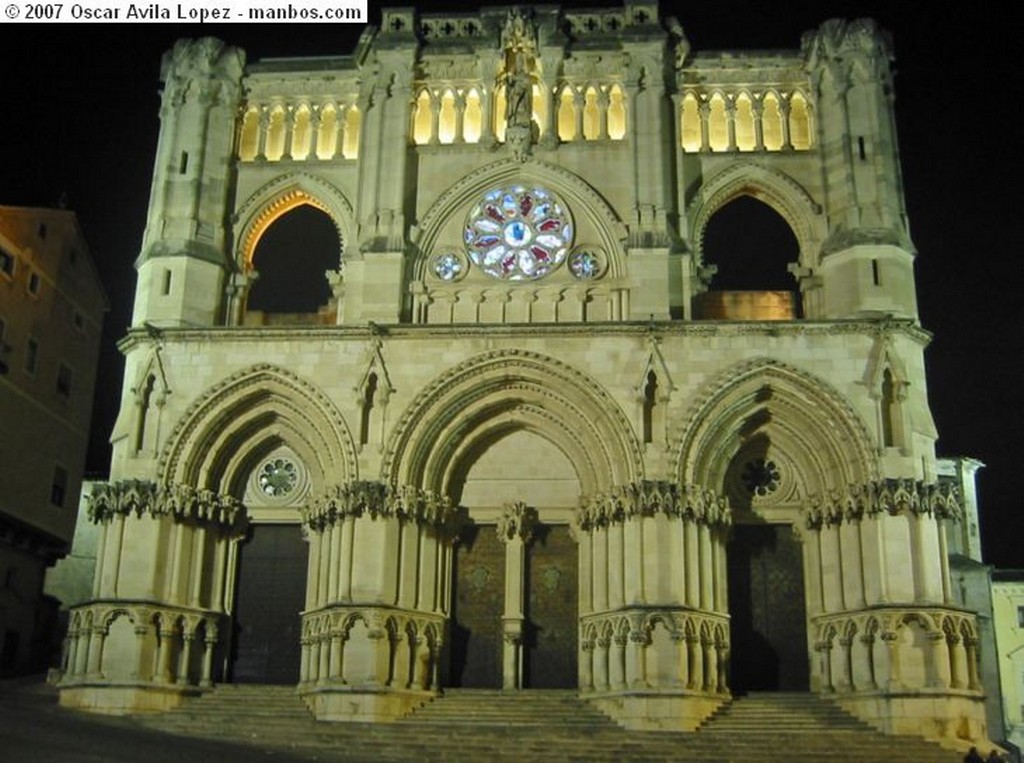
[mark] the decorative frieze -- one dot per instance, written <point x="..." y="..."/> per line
<point x="183" y="502"/>
<point x="649" y="497"/>
<point x="376" y="499"/>
<point x="891" y="496"/>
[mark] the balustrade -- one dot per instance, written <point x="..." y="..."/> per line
<point x="280" y="131"/>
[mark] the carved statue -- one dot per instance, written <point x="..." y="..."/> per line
<point x="519" y="94"/>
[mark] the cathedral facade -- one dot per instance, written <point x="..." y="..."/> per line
<point x="525" y="441"/>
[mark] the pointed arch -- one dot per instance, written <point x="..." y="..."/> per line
<point x="494" y="394"/>
<point x="811" y="427"/>
<point x="282" y="195"/>
<point x="244" y="417"/>
<point x="776" y="189"/>
<point x="446" y="216"/>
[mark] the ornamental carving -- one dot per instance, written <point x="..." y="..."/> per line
<point x="378" y="500"/>
<point x="517" y="520"/>
<point x="183" y="502"/>
<point x="649" y="497"/>
<point x="891" y="496"/>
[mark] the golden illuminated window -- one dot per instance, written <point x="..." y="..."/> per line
<point x="472" y="120"/>
<point x="744" y="122"/>
<point x="771" y="122"/>
<point x="275" y="134"/>
<point x="690" y="123"/>
<point x="301" y="133"/>
<point x="540" y="109"/>
<point x="499" y="114"/>
<point x="446" y="118"/>
<point x="718" y="130"/>
<point x="799" y="122"/>
<point x="421" y="119"/>
<point x="616" y="114"/>
<point x="248" y="139"/>
<point x="327" y="139"/>
<point x="353" y="122"/>
<point x="591" y="115"/>
<point x="566" y="115"/>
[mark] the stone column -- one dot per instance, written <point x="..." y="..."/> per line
<point x="515" y="529"/>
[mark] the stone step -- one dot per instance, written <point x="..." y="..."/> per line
<point x="539" y="726"/>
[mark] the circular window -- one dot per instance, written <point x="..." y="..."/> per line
<point x="449" y="266"/>
<point x="278" y="477"/>
<point x="760" y="476"/>
<point x="519" y="233"/>
<point x="585" y="264"/>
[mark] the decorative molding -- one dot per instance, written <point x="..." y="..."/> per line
<point x="649" y="497"/>
<point x="182" y="502"/>
<point x="379" y="500"/>
<point x="890" y="496"/>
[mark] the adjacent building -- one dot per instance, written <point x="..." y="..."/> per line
<point x="529" y="429"/>
<point x="51" y="313"/>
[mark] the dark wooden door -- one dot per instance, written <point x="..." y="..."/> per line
<point x="477" y="606"/>
<point x="767" y="610"/>
<point x="270" y="595"/>
<point x="550" y="658"/>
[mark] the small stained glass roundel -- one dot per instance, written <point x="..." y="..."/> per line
<point x="585" y="265"/>
<point x="520" y="233"/>
<point x="448" y="267"/>
<point x="760" y="476"/>
<point x="278" y="477"/>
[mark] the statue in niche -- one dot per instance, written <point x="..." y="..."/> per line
<point x="519" y="94"/>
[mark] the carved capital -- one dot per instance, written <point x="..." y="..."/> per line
<point x="517" y="520"/>
<point x="649" y="497"/>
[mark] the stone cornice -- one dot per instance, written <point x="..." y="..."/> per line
<point x="183" y="502"/>
<point x="648" y="498"/>
<point x="868" y="327"/>
<point x="891" y="496"/>
<point x="376" y="499"/>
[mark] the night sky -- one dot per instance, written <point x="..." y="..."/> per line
<point x="80" y="118"/>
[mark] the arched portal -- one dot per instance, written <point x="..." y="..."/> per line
<point x="514" y="439"/>
<point x="770" y="437"/>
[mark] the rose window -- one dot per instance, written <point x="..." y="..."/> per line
<point x="278" y="477"/>
<point x="761" y="477"/>
<point x="518" y="233"/>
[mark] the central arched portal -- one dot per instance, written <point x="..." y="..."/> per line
<point x="497" y="582"/>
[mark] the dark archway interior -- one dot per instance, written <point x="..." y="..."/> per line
<point x="751" y="244"/>
<point x="291" y="258"/>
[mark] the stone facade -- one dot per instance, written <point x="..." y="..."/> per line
<point x="51" y="315"/>
<point x="518" y="345"/>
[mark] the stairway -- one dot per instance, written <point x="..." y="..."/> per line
<point x="489" y="725"/>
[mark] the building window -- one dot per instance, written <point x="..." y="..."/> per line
<point x="41" y="230"/>
<point x="59" y="488"/>
<point x="6" y="263"/>
<point x="31" y="356"/>
<point x="33" y="284"/>
<point x="64" y="381"/>
<point x="1020" y="617"/>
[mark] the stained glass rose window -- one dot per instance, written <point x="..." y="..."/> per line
<point x="519" y="233"/>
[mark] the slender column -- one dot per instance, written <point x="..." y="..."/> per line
<point x="323" y="590"/>
<point x="262" y="131"/>
<point x="892" y="643"/>
<point x="313" y="569"/>
<point x="334" y="559"/>
<point x="696" y="661"/>
<point x="971" y="646"/>
<point x="96" y="638"/>
<point x="314" y="132"/>
<point x="957" y="662"/>
<point x="682" y="659"/>
<point x="515" y="528"/>
<point x="947" y="584"/>
<point x="586" y="667"/>
<point x="314" y="660"/>
<point x="460" y="117"/>
<point x="636" y="646"/>
<point x="198" y="562"/>
<point x="730" y="123"/>
<point x="163" y="656"/>
<point x="692" y="564"/>
<point x="784" y="113"/>
<point x="710" y="664"/>
<point x="288" y="124"/>
<point x="220" y="548"/>
<point x="602" y="114"/>
<point x="435" y="113"/>
<point x="844" y="681"/>
<point x="757" y="110"/>
<point x="304" y="662"/>
<point x="324" y="658"/>
<point x="81" y="652"/>
<point x="825" y="650"/>
<point x="704" y="111"/>
<point x="578" y="104"/>
<point x="868" y="640"/>
<point x="186" y="658"/>
<point x="420" y="659"/>
<point x="346" y="553"/>
<point x="722" y="650"/>
<point x="334" y="662"/>
<point x="209" y="644"/>
<point x="706" y="570"/>
<point x="939" y="674"/>
<point x="617" y="662"/>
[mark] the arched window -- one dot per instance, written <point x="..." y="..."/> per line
<point x="275" y="133"/>
<point x="718" y="129"/>
<point x="540" y="109"/>
<point x="291" y="257"/>
<point x="301" y="133"/>
<point x="446" y="118"/>
<point x="771" y="122"/>
<point x="591" y="115"/>
<point x="690" y="124"/>
<point x="353" y="123"/>
<point x="892" y="410"/>
<point x="566" y="115"/>
<point x="499" y="114"/>
<point x="473" y="117"/>
<point x="744" y="123"/>
<point x="616" y="113"/>
<point x="799" y="122"/>
<point x="248" y="139"/>
<point x="421" y="119"/>
<point x="327" y="139"/>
